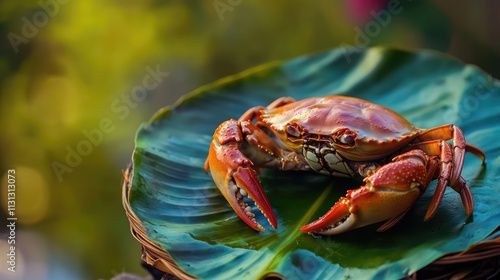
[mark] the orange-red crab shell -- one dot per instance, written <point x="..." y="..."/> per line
<point x="339" y="136"/>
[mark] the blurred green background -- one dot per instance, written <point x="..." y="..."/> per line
<point x="78" y="77"/>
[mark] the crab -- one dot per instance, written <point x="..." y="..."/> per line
<point x="339" y="136"/>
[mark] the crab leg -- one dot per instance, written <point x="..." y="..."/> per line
<point x="442" y="149"/>
<point x="233" y="171"/>
<point x="459" y="147"/>
<point x="389" y="192"/>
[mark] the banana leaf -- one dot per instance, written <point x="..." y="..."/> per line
<point x="183" y="211"/>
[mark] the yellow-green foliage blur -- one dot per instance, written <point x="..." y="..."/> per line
<point x="78" y="77"/>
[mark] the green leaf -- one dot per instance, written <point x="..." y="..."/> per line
<point x="182" y="210"/>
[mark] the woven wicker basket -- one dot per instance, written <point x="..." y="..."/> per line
<point x="481" y="261"/>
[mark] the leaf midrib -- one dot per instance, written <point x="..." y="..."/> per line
<point x="295" y="231"/>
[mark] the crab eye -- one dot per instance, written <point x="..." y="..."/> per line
<point x="347" y="139"/>
<point x="292" y="130"/>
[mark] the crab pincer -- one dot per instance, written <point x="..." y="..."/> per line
<point x="235" y="177"/>
<point x="389" y="192"/>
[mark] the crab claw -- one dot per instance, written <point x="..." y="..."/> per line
<point x="233" y="174"/>
<point x="388" y="193"/>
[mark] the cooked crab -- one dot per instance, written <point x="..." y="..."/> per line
<point x="339" y="136"/>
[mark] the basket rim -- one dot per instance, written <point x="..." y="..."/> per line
<point x="154" y="255"/>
